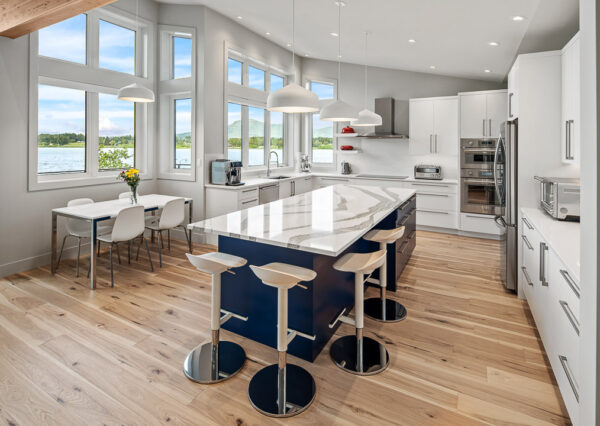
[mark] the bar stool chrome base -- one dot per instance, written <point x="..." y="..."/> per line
<point x="384" y="310"/>
<point x="375" y="357"/>
<point x="297" y="393"/>
<point x="209" y="363"/>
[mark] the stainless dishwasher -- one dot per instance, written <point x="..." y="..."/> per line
<point x="268" y="193"/>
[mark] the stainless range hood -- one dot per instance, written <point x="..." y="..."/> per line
<point x="394" y="114"/>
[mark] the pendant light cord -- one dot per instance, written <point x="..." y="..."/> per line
<point x="339" y="49"/>
<point x="294" y="39"/>
<point x="366" y="49"/>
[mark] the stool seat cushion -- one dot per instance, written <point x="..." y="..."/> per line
<point x="282" y="274"/>
<point x="387" y="236"/>
<point x="215" y="262"/>
<point x="363" y="263"/>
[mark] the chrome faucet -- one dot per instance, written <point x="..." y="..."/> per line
<point x="269" y="162"/>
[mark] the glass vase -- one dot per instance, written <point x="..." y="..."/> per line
<point x="133" y="195"/>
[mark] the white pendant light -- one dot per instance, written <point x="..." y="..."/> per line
<point x="293" y="98"/>
<point x="135" y="92"/>
<point x="367" y="117"/>
<point x="339" y="110"/>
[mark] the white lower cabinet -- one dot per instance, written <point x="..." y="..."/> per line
<point x="436" y="204"/>
<point x="553" y="297"/>
<point x="303" y="184"/>
<point x="479" y="223"/>
<point x="222" y="201"/>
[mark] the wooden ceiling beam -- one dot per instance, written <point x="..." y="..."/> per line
<point x="20" y="17"/>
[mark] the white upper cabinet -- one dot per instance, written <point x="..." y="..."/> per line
<point x="571" y="87"/>
<point x="513" y="91"/>
<point x="481" y="113"/>
<point x="434" y="126"/>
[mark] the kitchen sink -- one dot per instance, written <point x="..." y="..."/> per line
<point x="278" y="177"/>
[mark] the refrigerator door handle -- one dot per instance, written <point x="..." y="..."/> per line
<point x="495" y="170"/>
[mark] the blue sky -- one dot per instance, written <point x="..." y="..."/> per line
<point x="183" y="115"/>
<point x="117" y="48"/>
<point x="256" y="78"/>
<point x="65" y="40"/>
<point x="60" y="110"/>
<point x="182" y="57"/>
<point x="115" y="117"/>
<point x="234" y="71"/>
<point x="323" y="91"/>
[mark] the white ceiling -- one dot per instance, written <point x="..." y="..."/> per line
<point x="452" y="35"/>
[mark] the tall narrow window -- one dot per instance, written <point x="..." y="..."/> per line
<point x="322" y="140"/>
<point x="116" y="48"/>
<point x="116" y="142"/>
<point x="61" y="130"/>
<point x="234" y="71"/>
<point x="323" y="90"/>
<point x="182" y="57"/>
<point x="276" y="82"/>
<point x="256" y="78"/>
<point x="64" y="40"/>
<point x="234" y="132"/>
<point x="256" y="136"/>
<point x="276" y="137"/>
<point x="183" y="133"/>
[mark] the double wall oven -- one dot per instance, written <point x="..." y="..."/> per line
<point x="478" y="189"/>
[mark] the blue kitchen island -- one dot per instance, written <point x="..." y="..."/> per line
<point x="311" y="230"/>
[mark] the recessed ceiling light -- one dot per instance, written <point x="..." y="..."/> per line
<point x="289" y="45"/>
<point x="334" y="34"/>
<point x="339" y="56"/>
<point x="306" y="54"/>
<point x="412" y="40"/>
<point x="239" y="17"/>
<point x="432" y="67"/>
<point x="494" y="43"/>
<point x="340" y="3"/>
<point x="518" y="18"/>
<point x="487" y="70"/>
<point x="268" y="33"/>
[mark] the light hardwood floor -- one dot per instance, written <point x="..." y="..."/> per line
<point x="468" y="353"/>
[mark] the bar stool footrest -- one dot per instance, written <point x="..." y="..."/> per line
<point x="387" y="310"/>
<point x="210" y="363"/>
<point x="344" y="354"/>
<point x="264" y="391"/>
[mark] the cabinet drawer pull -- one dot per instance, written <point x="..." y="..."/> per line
<point x="524" y="269"/>
<point x="412" y="235"/>
<point x="431" y="194"/>
<point x="403" y="246"/>
<point x="274" y="185"/>
<point x="526" y="222"/>
<point x="245" y="191"/>
<point x="432" y="211"/>
<point x="529" y="246"/>
<point x="403" y="206"/>
<point x="570" y="315"/>
<point x="249" y="201"/>
<point x="543" y="248"/>
<point x="404" y="220"/>
<point x="565" y="365"/>
<point x="570" y="282"/>
<point x="429" y="184"/>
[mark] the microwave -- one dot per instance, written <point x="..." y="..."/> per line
<point x="559" y="197"/>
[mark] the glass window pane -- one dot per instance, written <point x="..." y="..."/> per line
<point x="257" y="78"/>
<point x="277" y="134"/>
<point x="183" y="133"/>
<point x="116" y="125"/>
<point x="256" y="133"/>
<point x="182" y="57"/>
<point x="322" y="140"/>
<point x="234" y="71"/>
<point x="234" y="132"/>
<point x="276" y="82"/>
<point x="323" y="90"/>
<point x="117" y="48"/>
<point x="61" y="129"/>
<point x="64" y="40"/>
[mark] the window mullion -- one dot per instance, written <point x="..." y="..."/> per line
<point x="92" y="44"/>
<point x="245" y="136"/>
<point x="92" y="132"/>
<point x="267" y="133"/>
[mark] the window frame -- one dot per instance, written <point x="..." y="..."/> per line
<point x="169" y="90"/>
<point x="249" y="97"/>
<point x="93" y="79"/>
<point x="308" y="122"/>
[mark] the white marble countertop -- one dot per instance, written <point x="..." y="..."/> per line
<point x="563" y="237"/>
<point x="325" y="221"/>
<point x="254" y="181"/>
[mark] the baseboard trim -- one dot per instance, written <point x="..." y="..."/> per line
<point x="458" y="232"/>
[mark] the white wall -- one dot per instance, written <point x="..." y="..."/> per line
<point x="403" y="85"/>
<point x="25" y="219"/>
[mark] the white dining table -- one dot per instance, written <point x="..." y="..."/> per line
<point x="105" y="210"/>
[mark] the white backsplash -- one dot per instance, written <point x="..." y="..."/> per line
<point x="392" y="156"/>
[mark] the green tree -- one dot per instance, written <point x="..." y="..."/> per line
<point x="113" y="159"/>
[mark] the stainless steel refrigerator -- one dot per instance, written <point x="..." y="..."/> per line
<point x="505" y="181"/>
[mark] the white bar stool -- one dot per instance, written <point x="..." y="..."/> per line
<point x="216" y="360"/>
<point x="357" y="354"/>
<point x="383" y="309"/>
<point x="282" y="390"/>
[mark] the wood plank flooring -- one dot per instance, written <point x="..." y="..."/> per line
<point x="468" y="353"/>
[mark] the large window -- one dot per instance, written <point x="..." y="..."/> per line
<point x="182" y="57"/>
<point x="183" y="133"/>
<point x="251" y="131"/>
<point x="322" y="132"/>
<point x="80" y="133"/>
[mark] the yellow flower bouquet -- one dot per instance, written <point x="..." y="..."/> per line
<point x="132" y="178"/>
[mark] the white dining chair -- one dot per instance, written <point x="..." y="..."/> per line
<point x="129" y="225"/>
<point x="172" y="216"/>
<point x="79" y="229"/>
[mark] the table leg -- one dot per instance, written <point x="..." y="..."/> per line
<point x="53" y="256"/>
<point x="153" y="213"/>
<point x="93" y="242"/>
<point x="190" y="221"/>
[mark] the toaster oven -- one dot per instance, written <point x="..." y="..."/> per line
<point x="428" y="171"/>
<point x="559" y="197"/>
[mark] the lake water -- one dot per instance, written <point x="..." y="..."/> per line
<point x="73" y="159"/>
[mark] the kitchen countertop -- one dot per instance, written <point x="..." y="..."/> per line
<point x="258" y="181"/>
<point x="324" y="221"/>
<point x="563" y="237"/>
